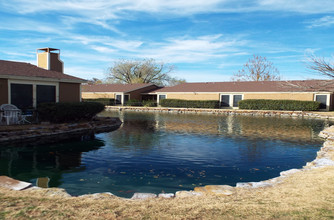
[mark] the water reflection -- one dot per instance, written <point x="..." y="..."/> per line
<point x="51" y="161"/>
<point x="137" y="133"/>
<point x="154" y="152"/>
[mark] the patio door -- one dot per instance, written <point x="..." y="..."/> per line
<point x="323" y="101"/>
<point x="225" y="101"/>
<point x="21" y="95"/>
<point x="45" y="94"/>
<point x="118" y="99"/>
<point x="126" y="98"/>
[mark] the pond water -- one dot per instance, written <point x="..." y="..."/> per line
<point x="161" y="152"/>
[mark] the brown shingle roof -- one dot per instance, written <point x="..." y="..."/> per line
<point x="114" y="87"/>
<point x="11" y="68"/>
<point x="253" y="86"/>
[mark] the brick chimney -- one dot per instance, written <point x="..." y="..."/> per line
<point x="49" y="59"/>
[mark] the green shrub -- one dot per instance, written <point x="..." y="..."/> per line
<point x="104" y="101"/>
<point x="289" y="105"/>
<point x="133" y="102"/>
<point x="189" y="103"/>
<point x="68" y="112"/>
<point x="149" y="103"/>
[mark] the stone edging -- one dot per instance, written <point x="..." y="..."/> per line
<point x="267" y="113"/>
<point x="323" y="159"/>
<point x="49" y="133"/>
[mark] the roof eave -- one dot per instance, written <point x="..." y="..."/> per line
<point x="42" y="79"/>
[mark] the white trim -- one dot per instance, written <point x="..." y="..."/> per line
<point x="121" y="94"/>
<point x="235" y="92"/>
<point x="231" y="99"/>
<point x="34" y="86"/>
<point x="158" y="97"/>
<point x="45" y="79"/>
<point x="80" y="87"/>
<point x="328" y="99"/>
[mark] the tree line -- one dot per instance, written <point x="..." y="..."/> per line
<point x="257" y="68"/>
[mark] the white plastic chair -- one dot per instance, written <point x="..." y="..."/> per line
<point x="11" y="113"/>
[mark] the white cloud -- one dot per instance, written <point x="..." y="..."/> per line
<point x="102" y="12"/>
<point x="192" y="49"/>
<point x="103" y="49"/>
<point x="326" y="21"/>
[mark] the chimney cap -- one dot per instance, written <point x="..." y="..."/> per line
<point x="48" y="49"/>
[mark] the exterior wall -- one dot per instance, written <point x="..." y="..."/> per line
<point x="97" y="95"/>
<point x="55" y="63"/>
<point x="193" y="96"/>
<point x="215" y="96"/>
<point x="280" y="96"/>
<point x="137" y="94"/>
<point x="69" y="92"/>
<point x="42" y="60"/>
<point x="4" y="91"/>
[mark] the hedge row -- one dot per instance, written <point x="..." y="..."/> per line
<point x="131" y="102"/>
<point x="68" y="112"/>
<point x="145" y="103"/>
<point x="289" y="105"/>
<point x="189" y="103"/>
<point x="104" y="101"/>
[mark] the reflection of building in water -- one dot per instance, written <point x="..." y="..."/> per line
<point x="27" y="163"/>
<point x="255" y="127"/>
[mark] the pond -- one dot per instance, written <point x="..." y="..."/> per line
<point x="167" y="152"/>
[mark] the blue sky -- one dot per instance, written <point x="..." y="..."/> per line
<point x="205" y="40"/>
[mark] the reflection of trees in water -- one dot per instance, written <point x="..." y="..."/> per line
<point x="30" y="162"/>
<point x="288" y="129"/>
<point x="139" y="129"/>
<point x="138" y="134"/>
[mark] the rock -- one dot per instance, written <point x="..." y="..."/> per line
<point x="289" y="172"/>
<point x="105" y="195"/>
<point x="13" y="184"/>
<point x="166" y="195"/>
<point x="254" y="184"/>
<point x="53" y="192"/>
<point x="321" y="163"/>
<point x="143" y="196"/>
<point x="185" y="194"/>
<point x="216" y="189"/>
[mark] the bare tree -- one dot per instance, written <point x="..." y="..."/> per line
<point x="140" y="71"/>
<point x="320" y="65"/>
<point x="175" y="81"/>
<point x="257" y="69"/>
<point x="95" y="81"/>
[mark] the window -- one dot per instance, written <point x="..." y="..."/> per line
<point x="323" y="101"/>
<point x="21" y="95"/>
<point x="118" y="99"/>
<point x="225" y="101"/>
<point x="126" y="98"/>
<point x="161" y="97"/>
<point x="236" y="99"/>
<point x="45" y="94"/>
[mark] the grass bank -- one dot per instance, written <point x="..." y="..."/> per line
<point x="308" y="194"/>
